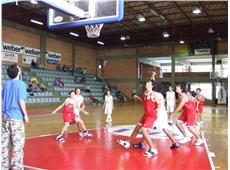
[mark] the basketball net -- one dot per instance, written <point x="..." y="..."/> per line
<point x="93" y="31"/>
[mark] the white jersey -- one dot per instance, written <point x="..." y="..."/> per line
<point x="170" y="98"/>
<point x="79" y="100"/>
<point x="108" y="104"/>
<point x="162" y="117"/>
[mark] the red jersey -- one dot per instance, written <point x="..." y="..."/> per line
<point x="200" y="99"/>
<point x="68" y="113"/>
<point x="149" y="105"/>
<point x="189" y="106"/>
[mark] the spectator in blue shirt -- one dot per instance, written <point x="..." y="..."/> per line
<point x="14" y="115"/>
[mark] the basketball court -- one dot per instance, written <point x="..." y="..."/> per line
<point x="103" y="152"/>
<point x="120" y="44"/>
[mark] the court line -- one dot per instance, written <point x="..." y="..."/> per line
<point x="26" y="166"/>
<point x="54" y="134"/>
<point x="208" y="152"/>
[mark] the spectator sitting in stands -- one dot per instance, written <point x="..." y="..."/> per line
<point x="65" y="68"/>
<point x="71" y="69"/>
<point x="57" y="82"/>
<point x="78" y="70"/>
<point x="95" y="101"/>
<point x="87" y="89"/>
<point x="58" y="67"/>
<point x="77" y="80"/>
<point x="42" y="87"/>
<point x="83" y="80"/>
<point x="120" y="97"/>
<point x="34" y="64"/>
<point x="84" y="70"/>
<point x="31" y="88"/>
<point x="34" y="79"/>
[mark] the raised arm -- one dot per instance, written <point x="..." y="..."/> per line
<point x="58" y="108"/>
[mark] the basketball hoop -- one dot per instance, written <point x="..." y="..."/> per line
<point x="93" y="31"/>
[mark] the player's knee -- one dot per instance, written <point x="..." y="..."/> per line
<point x="190" y="128"/>
<point x="143" y="130"/>
<point x="178" y="122"/>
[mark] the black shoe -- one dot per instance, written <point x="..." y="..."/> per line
<point x="59" y="137"/>
<point x="170" y="124"/>
<point x="175" y="146"/>
<point x="139" y="145"/>
<point x="151" y="152"/>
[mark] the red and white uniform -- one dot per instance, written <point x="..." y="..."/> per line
<point x="200" y="102"/>
<point x="68" y="113"/>
<point x="150" y="114"/>
<point x="189" y="112"/>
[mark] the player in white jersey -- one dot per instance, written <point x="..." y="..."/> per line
<point x="80" y="104"/>
<point x="108" y="106"/>
<point x="170" y="104"/>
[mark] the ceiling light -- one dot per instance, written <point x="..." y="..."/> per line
<point x="58" y="19"/>
<point x="162" y="17"/>
<point x="181" y="42"/>
<point x="196" y="10"/>
<point x="210" y="30"/>
<point x="74" y="34"/>
<point x="33" y="2"/>
<point x="154" y="12"/>
<point x="219" y="39"/>
<point x="36" y="22"/>
<point x="123" y="38"/>
<point x="140" y="18"/>
<point x="165" y="34"/>
<point x="101" y="43"/>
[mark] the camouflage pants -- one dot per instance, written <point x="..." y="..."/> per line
<point x="13" y="139"/>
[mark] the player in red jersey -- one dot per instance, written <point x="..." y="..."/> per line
<point x="199" y="105"/>
<point x="151" y="106"/>
<point x="160" y="123"/>
<point x="188" y="116"/>
<point x="69" y="115"/>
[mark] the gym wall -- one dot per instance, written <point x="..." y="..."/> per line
<point x="119" y="68"/>
<point x="64" y="48"/>
<point x="84" y="57"/>
<point x="19" y="37"/>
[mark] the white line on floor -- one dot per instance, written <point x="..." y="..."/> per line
<point x="33" y="167"/>
<point x="209" y="156"/>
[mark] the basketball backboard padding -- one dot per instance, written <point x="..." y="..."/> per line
<point x="95" y="12"/>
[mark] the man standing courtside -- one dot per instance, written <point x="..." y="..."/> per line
<point x="14" y="116"/>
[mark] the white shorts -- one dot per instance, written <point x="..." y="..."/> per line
<point x="170" y="108"/>
<point x="108" y="110"/>
<point x="162" y="119"/>
<point x="77" y="118"/>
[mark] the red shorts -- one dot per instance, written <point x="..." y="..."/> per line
<point x="200" y="108"/>
<point x="147" y="121"/>
<point x="190" y="118"/>
<point x="69" y="117"/>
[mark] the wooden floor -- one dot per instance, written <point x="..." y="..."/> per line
<point x="215" y="124"/>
